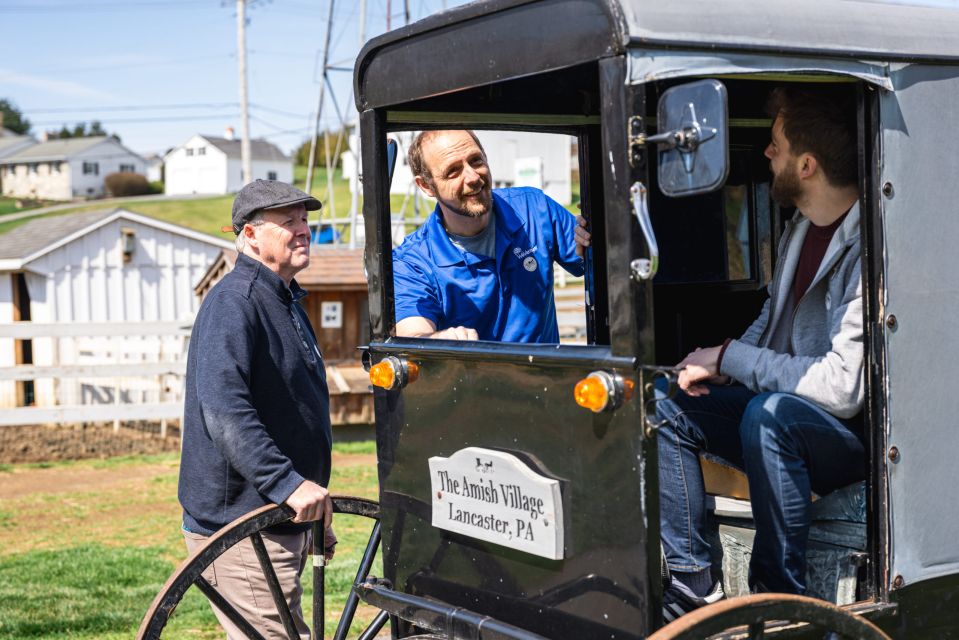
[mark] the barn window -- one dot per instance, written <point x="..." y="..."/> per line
<point x="128" y="243"/>
<point x="271" y="175"/>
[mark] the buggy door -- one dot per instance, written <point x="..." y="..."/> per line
<point x="478" y="407"/>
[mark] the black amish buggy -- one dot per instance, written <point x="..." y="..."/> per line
<point x="666" y="102"/>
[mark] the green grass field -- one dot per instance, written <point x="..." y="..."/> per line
<point x="208" y="215"/>
<point x="9" y="205"/>
<point x="86" y="562"/>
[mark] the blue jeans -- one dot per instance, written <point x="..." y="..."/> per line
<point x="788" y="447"/>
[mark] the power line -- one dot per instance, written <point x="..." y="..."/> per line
<point x="133" y="107"/>
<point x="192" y="60"/>
<point x="221" y="116"/>
<point x="86" y="7"/>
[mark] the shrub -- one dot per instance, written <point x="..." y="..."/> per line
<point x="120" y="185"/>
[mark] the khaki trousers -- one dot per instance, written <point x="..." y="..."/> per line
<point x="238" y="577"/>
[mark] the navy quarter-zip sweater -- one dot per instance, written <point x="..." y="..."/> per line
<point x="257" y="414"/>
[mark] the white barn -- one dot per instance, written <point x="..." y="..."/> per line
<point x="105" y="287"/>
<point x="66" y="169"/>
<point x="211" y="165"/>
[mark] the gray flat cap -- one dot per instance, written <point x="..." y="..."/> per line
<point x="267" y="194"/>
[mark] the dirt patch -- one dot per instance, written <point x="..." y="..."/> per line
<point x="21" y="483"/>
<point x="122" y="504"/>
<point x="50" y="443"/>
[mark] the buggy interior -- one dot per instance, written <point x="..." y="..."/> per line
<point x="717" y="253"/>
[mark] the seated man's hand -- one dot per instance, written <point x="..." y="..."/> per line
<point x="582" y="236"/>
<point x="418" y="327"/>
<point x="700" y="367"/>
<point x="311" y="502"/>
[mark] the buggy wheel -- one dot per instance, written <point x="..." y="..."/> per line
<point x="249" y="526"/>
<point x="747" y="616"/>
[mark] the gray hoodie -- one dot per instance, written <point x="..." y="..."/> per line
<point x="826" y="363"/>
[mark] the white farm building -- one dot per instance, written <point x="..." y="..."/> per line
<point x="211" y="165"/>
<point x="95" y="309"/>
<point x="66" y="169"/>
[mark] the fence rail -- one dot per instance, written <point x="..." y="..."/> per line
<point x="91" y="413"/>
<point x="123" y="370"/>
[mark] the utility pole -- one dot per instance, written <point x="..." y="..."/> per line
<point x="244" y="93"/>
<point x="319" y="106"/>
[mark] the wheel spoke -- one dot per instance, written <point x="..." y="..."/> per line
<point x="279" y="598"/>
<point x="319" y="581"/>
<point x="248" y="526"/>
<point x="381" y="618"/>
<point x="349" y="610"/>
<point x="220" y="603"/>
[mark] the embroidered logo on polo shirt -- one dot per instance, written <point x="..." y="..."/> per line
<point x="529" y="263"/>
<point x="519" y="253"/>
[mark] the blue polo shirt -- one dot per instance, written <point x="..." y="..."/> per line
<point x="508" y="297"/>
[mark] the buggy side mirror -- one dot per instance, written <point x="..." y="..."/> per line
<point x="693" y="142"/>
<point x="391" y="149"/>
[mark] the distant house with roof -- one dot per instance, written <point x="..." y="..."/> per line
<point x="211" y="165"/>
<point x="64" y="169"/>
<point x="120" y="272"/>
<point x="11" y="143"/>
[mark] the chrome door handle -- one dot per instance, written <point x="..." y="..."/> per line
<point x="644" y="268"/>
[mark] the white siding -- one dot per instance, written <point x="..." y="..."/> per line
<point x="8" y="390"/>
<point x="108" y="156"/>
<point x="188" y="174"/>
<point x="46" y="180"/>
<point x="261" y="171"/>
<point x="86" y="280"/>
<point x="214" y="172"/>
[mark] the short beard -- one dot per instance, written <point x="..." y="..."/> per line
<point x="785" y="188"/>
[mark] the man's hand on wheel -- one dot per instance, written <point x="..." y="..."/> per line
<point x="311" y="502"/>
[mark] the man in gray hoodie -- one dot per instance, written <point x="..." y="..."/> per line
<point x="784" y="400"/>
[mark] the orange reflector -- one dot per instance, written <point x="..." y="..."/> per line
<point x="382" y="374"/>
<point x="591" y="393"/>
<point x="412" y="372"/>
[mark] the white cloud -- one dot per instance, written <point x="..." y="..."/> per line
<point x="58" y="87"/>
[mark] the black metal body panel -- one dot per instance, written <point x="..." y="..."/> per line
<point x="510" y="44"/>
<point x="488" y="395"/>
<point x="927" y="610"/>
<point x="870" y="154"/>
<point x="376" y="198"/>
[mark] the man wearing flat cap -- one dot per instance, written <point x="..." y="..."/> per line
<point x="256" y="426"/>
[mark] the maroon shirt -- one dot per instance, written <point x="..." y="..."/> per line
<point x="813" y="249"/>
<point x="810" y="256"/>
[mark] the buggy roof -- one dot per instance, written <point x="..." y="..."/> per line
<point x="495" y="40"/>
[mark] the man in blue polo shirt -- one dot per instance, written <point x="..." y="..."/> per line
<point x="482" y="265"/>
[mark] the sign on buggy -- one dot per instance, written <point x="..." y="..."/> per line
<point x="494" y="496"/>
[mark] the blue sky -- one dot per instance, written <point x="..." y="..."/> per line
<point x="157" y="71"/>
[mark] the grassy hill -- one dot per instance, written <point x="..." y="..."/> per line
<point x="208" y="215"/>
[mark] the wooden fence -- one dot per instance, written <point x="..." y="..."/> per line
<point x="125" y="383"/>
<point x="112" y="363"/>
